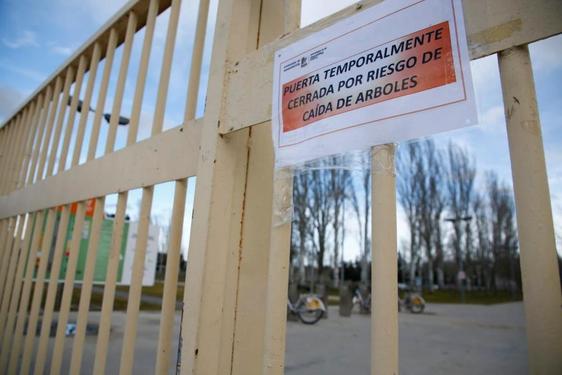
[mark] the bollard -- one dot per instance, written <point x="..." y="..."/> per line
<point x="346" y="299"/>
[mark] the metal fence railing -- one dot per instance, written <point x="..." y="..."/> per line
<point x="48" y="152"/>
<point x="56" y="156"/>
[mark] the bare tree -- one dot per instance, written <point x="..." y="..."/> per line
<point x="366" y="221"/>
<point x="431" y="204"/>
<point x="340" y="179"/>
<point x="504" y="236"/>
<point x="301" y="221"/>
<point x="354" y="201"/>
<point x="409" y="172"/>
<point x="460" y="187"/>
<point x="483" y="249"/>
<point x="321" y="210"/>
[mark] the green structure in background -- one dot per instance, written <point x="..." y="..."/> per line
<point x="104" y="248"/>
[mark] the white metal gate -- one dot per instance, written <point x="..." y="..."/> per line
<point x="236" y="289"/>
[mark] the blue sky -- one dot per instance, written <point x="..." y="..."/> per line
<point x="36" y="37"/>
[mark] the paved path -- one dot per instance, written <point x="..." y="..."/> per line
<point x="448" y="339"/>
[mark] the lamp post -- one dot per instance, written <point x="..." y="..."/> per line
<point x="461" y="275"/>
<point x="107" y="116"/>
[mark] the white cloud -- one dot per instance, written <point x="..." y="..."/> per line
<point x="60" y="50"/>
<point x="484" y="70"/>
<point x="547" y="54"/>
<point x="492" y="120"/>
<point x="10" y="98"/>
<point x="34" y="75"/>
<point x="100" y="10"/>
<point x="25" y="39"/>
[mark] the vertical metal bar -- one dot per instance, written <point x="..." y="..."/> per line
<point x="47" y="319"/>
<point x="171" y="279"/>
<point x="86" y="290"/>
<point x="4" y="244"/>
<point x="163" y="85"/>
<point x="102" y="94"/>
<point x="3" y="142"/>
<point x="7" y="239"/>
<point x="72" y="114"/>
<point x="16" y="147"/>
<point x="5" y="226"/>
<point x="9" y="283"/>
<point x="216" y="235"/>
<point x="264" y="215"/>
<point x="135" y="289"/>
<point x="27" y="132"/>
<point x="109" y="289"/>
<point x="121" y="80"/>
<point x="143" y="69"/>
<point x="38" y="291"/>
<point x="25" y="257"/>
<point x="539" y="265"/>
<point x="42" y="128"/>
<point x="3" y="146"/>
<point x="85" y="111"/>
<point x="8" y="130"/>
<point x="384" y="265"/>
<point x="24" y="301"/>
<point x="12" y="128"/>
<point x="68" y="288"/>
<point x="19" y="147"/>
<point x="49" y="131"/>
<point x="7" y="233"/>
<point x="32" y="132"/>
<point x="60" y="119"/>
<point x="196" y="61"/>
<point x="278" y="274"/>
<point x="138" y="262"/>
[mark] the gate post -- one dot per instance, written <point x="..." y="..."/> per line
<point x="384" y="263"/>
<point x="225" y="294"/>
<point x="539" y="266"/>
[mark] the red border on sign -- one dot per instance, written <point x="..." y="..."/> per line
<point x="385" y="118"/>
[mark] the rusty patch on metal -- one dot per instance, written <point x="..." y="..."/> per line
<point x="496" y="33"/>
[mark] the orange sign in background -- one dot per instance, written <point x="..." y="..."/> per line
<point x="90" y="206"/>
<point x="426" y="64"/>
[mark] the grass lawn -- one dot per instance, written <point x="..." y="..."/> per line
<point x="473" y="297"/>
<point x="452" y="296"/>
<point x="157" y="290"/>
<point x="438" y="296"/>
<point x="120" y="303"/>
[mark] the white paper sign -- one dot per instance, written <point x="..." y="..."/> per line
<point x="396" y="71"/>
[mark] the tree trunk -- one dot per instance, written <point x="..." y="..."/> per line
<point x="302" y="255"/>
<point x="430" y="273"/>
<point x="336" y="227"/>
<point x="413" y="264"/>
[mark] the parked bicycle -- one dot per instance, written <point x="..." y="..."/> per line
<point x="364" y="303"/>
<point x="308" y="308"/>
<point x="412" y="301"/>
